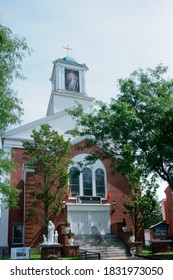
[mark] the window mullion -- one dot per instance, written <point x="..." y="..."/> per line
<point x="81" y="184"/>
<point x="93" y="183"/>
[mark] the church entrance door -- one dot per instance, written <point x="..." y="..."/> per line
<point x="86" y="219"/>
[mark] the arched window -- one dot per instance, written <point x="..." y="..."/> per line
<point x="87" y="181"/>
<point x="100" y="182"/>
<point x="91" y="181"/>
<point x="74" y="181"/>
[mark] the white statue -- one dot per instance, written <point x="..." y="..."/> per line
<point x="51" y="228"/>
<point x="56" y="237"/>
<point x="44" y="239"/>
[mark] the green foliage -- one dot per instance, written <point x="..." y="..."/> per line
<point x="147" y="252"/>
<point x="12" y="51"/>
<point x="135" y="128"/>
<point x="140" y="208"/>
<point x="148" y="120"/>
<point x="67" y="224"/>
<point x="156" y="216"/>
<point x="70" y="234"/>
<point x="9" y="195"/>
<point x="135" y="132"/>
<point x="48" y="154"/>
<point x="32" y="214"/>
<point x="6" y="164"/>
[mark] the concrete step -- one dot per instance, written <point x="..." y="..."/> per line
<point x="107" y="245"/>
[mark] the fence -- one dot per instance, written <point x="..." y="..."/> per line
<point x="87" y="255"/>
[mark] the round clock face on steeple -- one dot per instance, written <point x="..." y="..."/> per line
<point x="71" y="80"/>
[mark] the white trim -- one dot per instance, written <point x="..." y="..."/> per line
<point x="93" y="167"/>
<point x="12" y="142"/>
<point x="25" y="170"/>
<point x="79" y="139"/>
<point x="63" y="93"/>
<point x="35" y="123"/>
<point x="87" y="207"/>
<point x="84" y="218"/>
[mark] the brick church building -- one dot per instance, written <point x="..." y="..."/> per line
<point x="167" y="209"/>
<point x="97" y="204"/>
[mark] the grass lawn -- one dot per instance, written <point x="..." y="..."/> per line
<point x="37" y="256"/>
<point x="160" y="256"/>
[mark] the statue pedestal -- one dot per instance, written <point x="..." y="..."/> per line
<point x="50" y="249"/>
<point x="64" y="239"/>
<point x="137" y="245"/>
<point x="71" y="251"/>
<point x="160" y="245"/>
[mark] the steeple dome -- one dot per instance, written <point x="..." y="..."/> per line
<point x="69" y="59"/>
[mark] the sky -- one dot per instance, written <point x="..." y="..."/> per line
<point x="113" y="38"/>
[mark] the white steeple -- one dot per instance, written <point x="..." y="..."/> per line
<point x="68" y="85"/>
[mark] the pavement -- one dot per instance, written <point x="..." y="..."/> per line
<point x="124" y="258"/>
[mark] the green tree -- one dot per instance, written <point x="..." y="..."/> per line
<point x="141" y="207"/>
<point x="156" y="216"/>
<point x="141" y="203"/>
<point x="135" y="132"/>
<point x="147" y="102"/>
<point x="9" y="195"/>
<point x="48" y="154"/>
<point x="139" y="119"/>
<point x="12" y="52"/>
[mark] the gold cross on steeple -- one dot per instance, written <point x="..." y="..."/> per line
<point x="68" y="49"/>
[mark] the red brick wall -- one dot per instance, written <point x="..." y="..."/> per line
<point x="117" y="187"/>
<point x="16" y="215"/>
<point x="169" y="209"/>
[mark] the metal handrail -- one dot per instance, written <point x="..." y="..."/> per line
<point x="96" y="232"/>
<point x="88" y="254"/>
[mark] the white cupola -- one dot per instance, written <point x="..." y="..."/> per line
<point x="68" y="85"/>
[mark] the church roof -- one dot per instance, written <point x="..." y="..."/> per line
<point x="69" y="59"/>
<point x="59" y="121"/>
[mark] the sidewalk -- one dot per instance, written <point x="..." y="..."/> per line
<point x="124" y="258"/>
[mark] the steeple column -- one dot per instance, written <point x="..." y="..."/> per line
<point x="82" y="81"/>
<point x="57" y="83"/>
<point x="62" y="78"/>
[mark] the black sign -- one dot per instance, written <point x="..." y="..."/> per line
<point x="89" y="199"/>
<point x="160" y="231"/>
